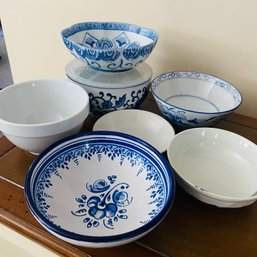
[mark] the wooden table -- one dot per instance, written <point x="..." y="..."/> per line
<point x="191" y="228"/>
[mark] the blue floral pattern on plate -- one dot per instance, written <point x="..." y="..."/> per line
<point x="96" y="182"/>
<point x="106" y="205"/>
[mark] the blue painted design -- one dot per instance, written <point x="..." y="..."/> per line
<point x="194" y="96"/>
<point x="117" y="194"/>
<point x="121" y="40"/>
<point x="146" y="50"/>
<point x="106" y="102"/>
<point x="188" y="118"/>
<point x="179" y="117"/>
<point x="199" y="76"/>
<point x="113" y="53"/>
<point x="106" y="205"/>
<point x="132" y="51"/>
<point x="89" y="40"/>
<point x="104" y="43"/>
<point x="109" y="56"/>
<point x="147" y="163"/>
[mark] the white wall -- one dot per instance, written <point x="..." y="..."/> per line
<point x="213" y="36"/>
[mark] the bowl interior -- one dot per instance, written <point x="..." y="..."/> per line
<point x="106" y="36"/>
<point x="102" y="39"/>
<point x="38" y="102"/>
<point x="202" y="93"/>
<point x="215" y="160"/>
<point x="96" y="185"/>
<point x="145" y="125"/>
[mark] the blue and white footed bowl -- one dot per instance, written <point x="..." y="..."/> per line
<point x="192" y="99"/>
<point x="111" y="91"/>
<point x="100" y="189"/>
<point x="109" y="46"/>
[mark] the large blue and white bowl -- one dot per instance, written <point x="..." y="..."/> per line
<point x="111" y="91"/>
<point x="193" y="99"/>
<point x="109" y="46"/>
<point x="100" y="189"/>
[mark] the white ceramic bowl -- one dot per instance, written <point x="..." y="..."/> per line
<point x="35" y="114"/>
<point x="109" y="46"/>
<point x="100" y="189"/>
<point x="147" y="126"/>
<point x="111" y="91"/>
<point x="191" y="99"/>
<point x="216" y="166"/>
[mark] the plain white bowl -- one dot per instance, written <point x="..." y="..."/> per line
<point x="192" y="99"/>
<point x="35" y="114"/>
<point x="111" y="91"/>
<point x="216" y="166"/>
<point x="145" y="125"/>
<point x="100" y="189"/>
<point x="109" y="46"/>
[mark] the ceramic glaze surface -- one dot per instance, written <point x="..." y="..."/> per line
<point x="111" y="91"/>
<point x="190" y="99"/>
<point x="100" y="187"/>
<point x="35" y="114"/>
<point x="145" y="125"/>
<point x="216" y="163"/>
<point x="109" y="46"/>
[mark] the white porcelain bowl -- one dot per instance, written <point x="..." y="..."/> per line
<point x="192" y="99"/>
<point x="109" y="46"/>
<point x="111" y="91"/>
<point x="147" y="126"/>
<point x="35" y="114"/>
<point x="100" y="189"/>
<point x="216" y="166"/>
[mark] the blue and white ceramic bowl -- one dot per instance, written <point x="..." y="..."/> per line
<point x="111" y="91"/>
<point x="100" y="189"/>
<point x="191" y="99"/>
<point x="109" y="46"/>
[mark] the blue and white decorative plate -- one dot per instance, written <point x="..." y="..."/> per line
<point x="109" y="46"/>
<point x="100" y="189"/>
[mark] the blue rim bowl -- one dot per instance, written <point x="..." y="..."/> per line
<point x="109" y="46"/>
<point x="192" y="99"/>
<point x="53" y="195"/>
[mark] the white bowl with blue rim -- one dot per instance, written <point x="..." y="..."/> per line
<point x="100" y="189"/>
<point x="216" y="166"/>
<point x="145" y="125"/>
<point x="35" y="114"/>
<point x="111" y="91"/>
<point x="109" y="46"/>
<point x="192" y="99"/>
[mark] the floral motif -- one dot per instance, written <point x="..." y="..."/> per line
<point x="103" y="201"/>
<point x="132" y="51"/>
<point x="118" y="51"/>
<point x="146" y="50"/>
<point x="180" y="117"/>
<point x="109" y="56"/>
<point x="104" y="43"/>
<point x="106" y="205"/>
<point x="102" y="103"/>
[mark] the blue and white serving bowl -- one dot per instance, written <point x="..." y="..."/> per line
<point x="111" y="91"/>
<point x="109" y="46"/>
<point x="100" y="189"/>
<point x="192" y="99"/>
